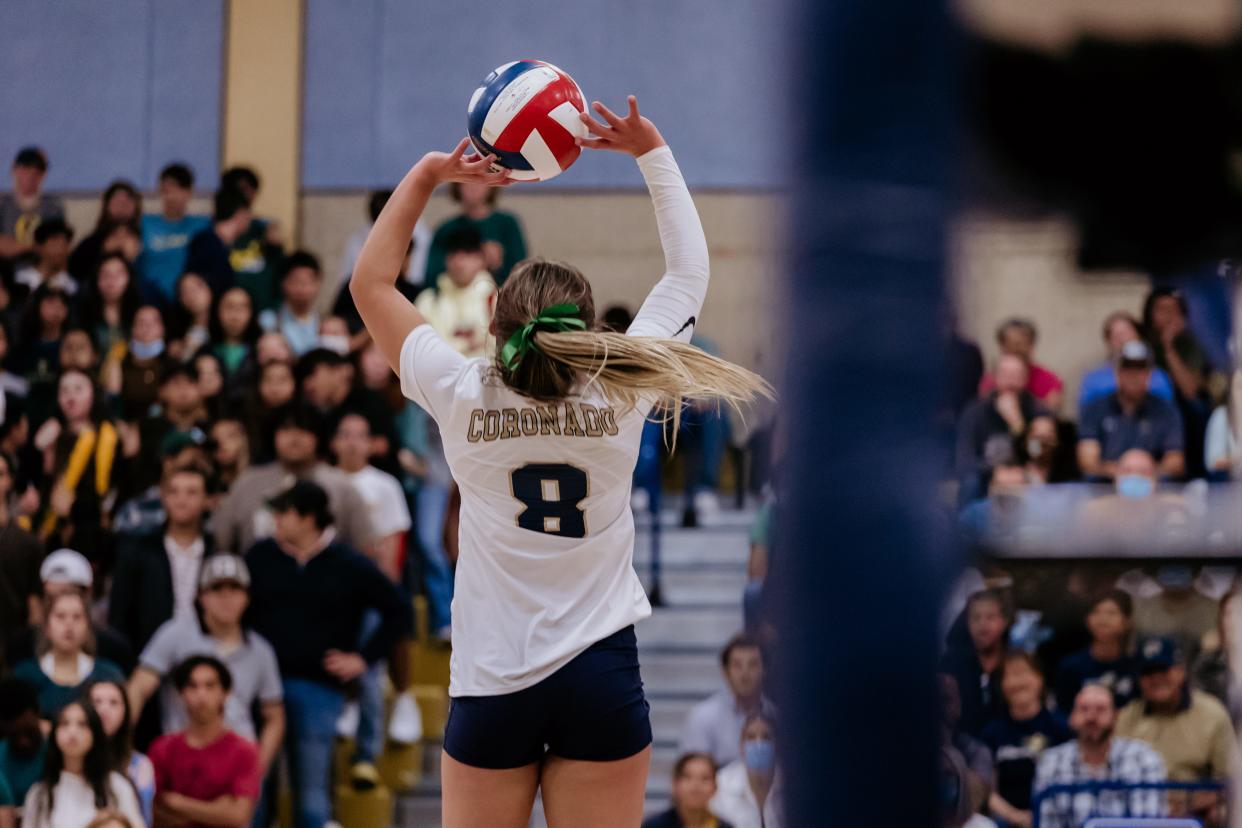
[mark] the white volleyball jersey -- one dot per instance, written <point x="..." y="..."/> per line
<point x="546" y="534"/>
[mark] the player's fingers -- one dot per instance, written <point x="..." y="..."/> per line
<point x="633" y="102"/>
<point x="460" y="150"/>
<point x="594" y="125"/>
<point x="593" y="143"/>
<point x="608" y="115"/>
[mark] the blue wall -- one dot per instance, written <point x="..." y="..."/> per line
<point x="387" y="80"/>
<point x="112" y="89"/>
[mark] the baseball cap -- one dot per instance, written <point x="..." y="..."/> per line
<point x="1135" y="352"/>
<point x="1158" y="654"/>
<point x="223" y="568"/>
<point x="66" y="566"/>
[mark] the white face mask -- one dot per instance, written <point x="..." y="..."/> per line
<point x="337" y="343"/>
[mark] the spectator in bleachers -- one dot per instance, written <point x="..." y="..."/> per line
<point x="50" y="265"/>
<point x="179" y="414"/>
<point x="257" y="251"/>
<point x="144" y="363"/>
<point x="1107" y="660"/>
<point x="80" y="448"/>
<point x="1019" y="737"/>
<point x="960" y="793"/>
<point x="1017" y="337"/>
<point x="65" y="571"/>
<point x="64" y="665"/>
<point x="974" y="752"/>
<point x="995" y="519"/>
<point x="1190" y="729"/>
<point x="243" y="517"/>
<point x="23" y="746"/>
<point x="27" y="205"/>
<point x="748" y="791"/>
<point x="36" y="353"/>
<point x="156" y="575"/>
<point x="1097" y="754"/>
<point x="503" y="242"/>
<point x="1212" y="670"/>
<point x="309" y="595"/>
<point x="977" y="667"/>
<point x="297" y="318"/>
<point x="112" y="704"/>
<point x="694" y="785"/>
<point x="210" y="383"/>
<point x="1119" y="328"/>
<point x="189" y="317"/>
<point x="10" y="383"/>
<point x="20" y="557"/>
<point x="230" y="449"/>
<point x="990" y="426"/>
<point x="757" y="565"/>
<point x="1130" y="417"/>
<point x="459" y="302"/>
<point x="714" y="725"/>
<point x="275" y="388"/>
<point x="77" y="779"/>
<point x="1175" y="609"/>
<point x="1177" y="351"/>
<point x="205" y="774"/>
<point x="166" y="235"/>
<point x="1046" y="462"/>
<point x="416" y="266"/>
<point x="208" y="251"/>
<point x="143" y="515"/>
<point x="235" y="334"/>
<point x="108" y="303"/>
<point x="121" y="204"/>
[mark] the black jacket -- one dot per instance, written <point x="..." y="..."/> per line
<point x="142" y="588"/>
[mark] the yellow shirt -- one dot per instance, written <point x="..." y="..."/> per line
<point x="462" y="314"/>
<point x="1195" y="742"/>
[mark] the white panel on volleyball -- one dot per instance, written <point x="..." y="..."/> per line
<point x="512" y="98"/>
<point x="535" y="150"/>
<point x="566" y="114"/>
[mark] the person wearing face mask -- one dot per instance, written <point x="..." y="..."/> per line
<point x="989" y="427"/>
<point x="1130" y="418"/>
<point x="144" y="364"/>
<point x="1041" y="446"/>
<point x="1017" y="738"/>
<point x="749" y="789"/>
<point x="1136" y="516"/>
<point x="694" y="785"/>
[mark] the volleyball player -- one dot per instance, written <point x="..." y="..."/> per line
<point x="542" y="438"/>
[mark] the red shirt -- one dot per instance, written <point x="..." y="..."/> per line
<point x="229" y="766"/>
<point x="1041" y="382"/>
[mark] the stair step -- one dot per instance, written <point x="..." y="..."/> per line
<point x="681" y="675"/>
<point x="706" y="628"/>
<point x="699" y="585"/>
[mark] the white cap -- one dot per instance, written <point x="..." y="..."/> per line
<point x="66" y="566"/>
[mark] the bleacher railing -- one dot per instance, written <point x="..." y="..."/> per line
<point x="1123" y="791"/>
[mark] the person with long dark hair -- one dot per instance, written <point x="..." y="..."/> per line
<point x="111" y="701"/>
<point x="108" y="305"/>
<point x="80" y="447"/>
<point x="120" y="205"/>
<point x="78" y="780"/>
<point x="189" y="318"/>
<point x="234" y="329"/>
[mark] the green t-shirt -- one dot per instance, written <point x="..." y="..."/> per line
<point x="500" y="227"/>
<point x="256" y="265"/>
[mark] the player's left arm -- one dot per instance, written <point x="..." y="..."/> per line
<point x="389" y="316"/>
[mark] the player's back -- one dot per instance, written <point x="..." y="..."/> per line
<point x="546" y="535"/>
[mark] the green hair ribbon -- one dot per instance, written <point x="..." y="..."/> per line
<point x="562" y="317"/>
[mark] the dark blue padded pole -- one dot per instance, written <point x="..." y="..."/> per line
<point x="858" y="565"/>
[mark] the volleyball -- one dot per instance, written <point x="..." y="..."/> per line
<point x="526" y="114"/>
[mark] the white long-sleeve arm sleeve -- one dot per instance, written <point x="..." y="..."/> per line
<point x="674" y="304"/>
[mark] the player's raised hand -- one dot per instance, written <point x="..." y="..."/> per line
<point x="462" y="168"/>
<point x="632" y="134"/>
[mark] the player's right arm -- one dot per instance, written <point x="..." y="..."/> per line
<point x="673" y="306"/>
<point x="389" y="316"/>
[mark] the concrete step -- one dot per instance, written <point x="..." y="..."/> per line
<point x="680" y="675"/>
<point x="705" y="628"/>
<point x="698" y="586"/>
<point x="667" y="717"/>
<point x="718" y="549"/>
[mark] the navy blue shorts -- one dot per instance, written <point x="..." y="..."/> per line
<point x="591" y="709"/>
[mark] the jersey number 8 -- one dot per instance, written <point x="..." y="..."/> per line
<point x="551" y="493"/>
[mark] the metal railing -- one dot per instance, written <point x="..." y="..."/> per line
<point x="1095" y="788"/>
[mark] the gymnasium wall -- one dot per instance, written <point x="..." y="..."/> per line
<point x="115" y="89"/>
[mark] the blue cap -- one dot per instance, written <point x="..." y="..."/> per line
<point x="1158" y="654"/>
